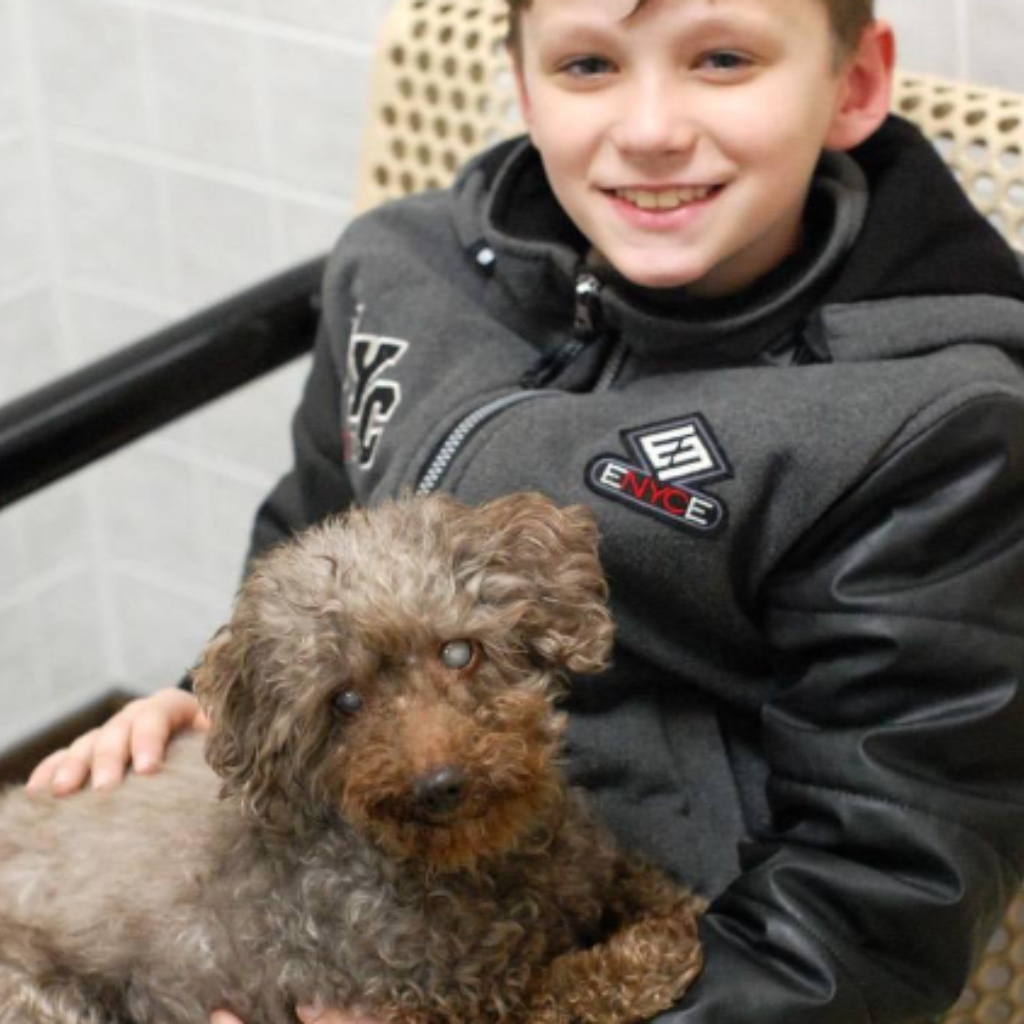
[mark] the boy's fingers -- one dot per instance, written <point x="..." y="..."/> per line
<point x="223" y="1017"/>
<point x="110" y="751"/>
<point x="138" y="735"/>
<point x="151" y="732"/>
<point x="44" y="772"/>
<point x="71" y="766"/>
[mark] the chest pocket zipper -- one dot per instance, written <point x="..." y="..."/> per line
<point x="463" y="431"/>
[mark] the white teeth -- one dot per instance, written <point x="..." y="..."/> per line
<point x="663" y="199"/>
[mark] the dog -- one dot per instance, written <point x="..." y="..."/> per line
<point x="377" y="820"/>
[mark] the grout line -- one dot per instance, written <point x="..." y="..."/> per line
<point x="21" y="290"/>
<point x="46" y="190"/>
<point x="172" y="275"/>
<point x="53" y="255"/>
<point x="253" y="23"/>
<point x="198" y="593"/>
<point x="211" y="462"/>
<point x="89" y="494"/>
<point x="145" y="302"/>
<point x="963" y="46"/>
<point x="42" y="582"/>
<point x="153" y="158"/>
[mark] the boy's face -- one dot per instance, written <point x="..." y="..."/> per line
<point x="681" y="138"/>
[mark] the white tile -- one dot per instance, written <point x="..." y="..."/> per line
<point x="30" y="353"/>
<point x="88" y="56"/>
<point x="339" y="17"/>
<point x="317" y="99"/>
<point x="70" y="621"/>
<point x="926" y="35"/>
<point x="20" y="674"/>
<point x="162" y="632"/>
<point x="150" y="514"/>
<point x="110" y="220"/>
<point x="57" y="531"/>
<point x="231" y="507"/>
<point x="995" y="36"/>
<point x="205" y="7"/>
<point x="21" y="224"/>
<point x="14" y="563"/>
<point x="203" y="82"/>
<point x="224" y="237"/>
<point x="12" y="46"/>
<point x="310" y="229"/>
<point x="101" y="324"/>
<point x="252" y="427"/>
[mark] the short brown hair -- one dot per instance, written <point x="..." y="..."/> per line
<point x="849" y="19"/>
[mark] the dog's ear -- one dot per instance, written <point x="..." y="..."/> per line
<point x="554" y="550"/>
<point x="243" y="746"/>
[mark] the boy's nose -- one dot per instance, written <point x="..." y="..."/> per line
<point x="654" y="122"/>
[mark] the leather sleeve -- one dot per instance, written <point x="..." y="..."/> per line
<point x="895" y="744"/>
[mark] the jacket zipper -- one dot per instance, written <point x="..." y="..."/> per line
<point x="463" y="431"/>
<point x="587" y="327"/>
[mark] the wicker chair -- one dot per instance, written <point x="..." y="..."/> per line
<point x="443" y="90"/>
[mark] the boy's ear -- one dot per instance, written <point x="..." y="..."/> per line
<point x="865" y="94"/>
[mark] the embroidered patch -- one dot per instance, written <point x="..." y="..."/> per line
<point x="372" y="398"/>
<point x="668" y="460"/>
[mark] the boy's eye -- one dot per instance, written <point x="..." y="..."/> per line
<point x="724" y="60"/>
<point x="585" y="67"/>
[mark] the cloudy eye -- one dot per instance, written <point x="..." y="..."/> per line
<point x="459" y="654"/>
<point x="348" y="703"/>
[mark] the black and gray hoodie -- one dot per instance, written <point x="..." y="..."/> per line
<point x="812" y="507"/>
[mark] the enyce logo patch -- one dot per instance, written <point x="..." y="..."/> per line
<point x="669" y="460"/>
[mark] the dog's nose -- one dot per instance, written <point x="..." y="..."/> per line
<point x="440" y="791"/>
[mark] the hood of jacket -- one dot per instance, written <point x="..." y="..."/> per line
<point x="882" y="275"/>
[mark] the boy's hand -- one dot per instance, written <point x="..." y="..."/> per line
<point x="137" y="735"/>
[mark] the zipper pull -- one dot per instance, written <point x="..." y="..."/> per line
<point x="588" y="322"/>
<point x="588" y="318"/>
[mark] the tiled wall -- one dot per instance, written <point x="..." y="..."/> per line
<point x="979" y="40"/>
<point x="155" y="155"/>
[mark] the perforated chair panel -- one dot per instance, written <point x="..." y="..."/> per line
<point x="980" y="134"/>
<point x="443" y="90"/>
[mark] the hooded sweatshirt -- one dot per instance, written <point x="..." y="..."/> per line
<point x="811" y="502"/>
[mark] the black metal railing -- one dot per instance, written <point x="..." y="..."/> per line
<point x="61" y="427"/>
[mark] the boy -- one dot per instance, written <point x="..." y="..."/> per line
<point x="759" y="330"/>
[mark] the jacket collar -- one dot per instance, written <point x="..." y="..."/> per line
<point x="907" y="252"/>
<point x="505" y="204"/>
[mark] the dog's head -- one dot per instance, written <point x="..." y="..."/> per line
<point x="400" y="666"/>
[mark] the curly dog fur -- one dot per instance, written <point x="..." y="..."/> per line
<point x="385" y="827"/>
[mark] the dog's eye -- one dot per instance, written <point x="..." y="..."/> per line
<point x="459" y="655"/>
<point x="348" y="702"/>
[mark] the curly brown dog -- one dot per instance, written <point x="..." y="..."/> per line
<point x="389" y="832"/>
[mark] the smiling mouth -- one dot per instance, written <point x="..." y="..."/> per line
<point x="665" y="198"/>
